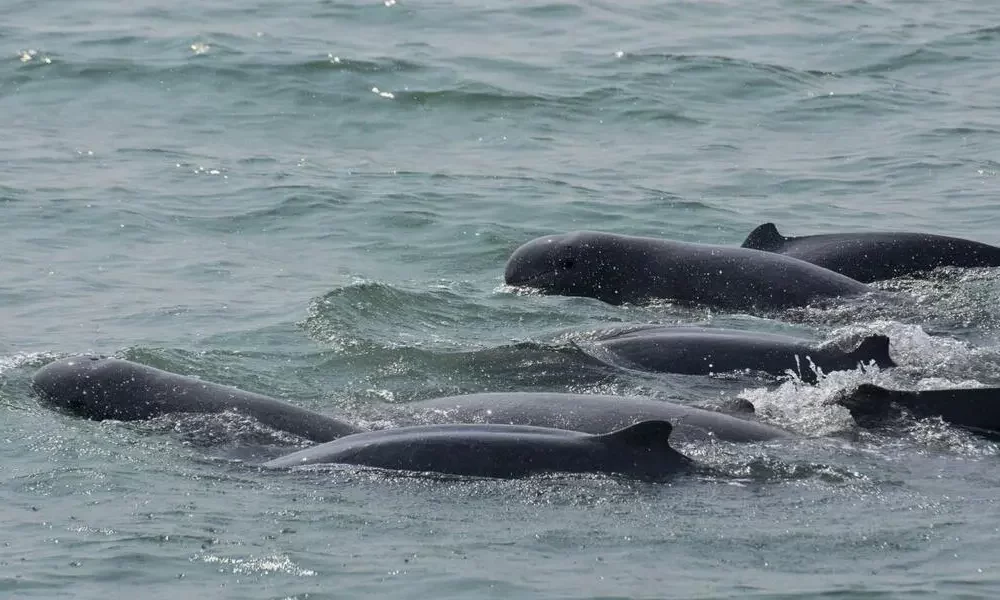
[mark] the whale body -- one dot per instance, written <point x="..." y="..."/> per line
<point x="706" y="350"/>
<point x="875" y="256"/>
<point x="102" y="388"/>
<point x="619" y="268"/>
<point x="975" y="409"/>
<point x="502" y="451"/>
<point x="593" y="413"/>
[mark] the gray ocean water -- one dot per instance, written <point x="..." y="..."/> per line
<point x="315" y="200"/>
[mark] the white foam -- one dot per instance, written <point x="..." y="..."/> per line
<point x="24" y="359"/>
<point x="809" y="409"/>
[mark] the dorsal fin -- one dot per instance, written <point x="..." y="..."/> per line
<point x="870" y="389"/>
<point x="742" y="405"/>
<point x="874" y="347"/>
<point x="765" y="237"/>
<point x="644" y="433"/>
<point x="867" y="403"/>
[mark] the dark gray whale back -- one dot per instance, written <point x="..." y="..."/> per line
<point x="875" y="256"/>
<point x="502" y="451"/>
<point x="976" y="409"/>
<point x="109" y="388"/>
<point x="619" y="268"/>
<point x="593" y="413"/>
<point x="706" y="350"/>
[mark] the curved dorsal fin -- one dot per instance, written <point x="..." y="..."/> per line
<point x="874" y="347"/>
<point x="867" y="402"/>
<point x="644" y="433"/>
<point x="765" y="237"/>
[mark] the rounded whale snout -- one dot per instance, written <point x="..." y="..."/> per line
<point x="580" y="263"/>
<point x="531" y="262"/>
<point x="101" y="388"/>
<point x="617" y="269"/>
<point x="70" y="384"/>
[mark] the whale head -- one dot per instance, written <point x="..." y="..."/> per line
<point x="92" y="387"/>
<point x="583" y="263"/>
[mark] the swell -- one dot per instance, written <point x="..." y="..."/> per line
<point x="221" y="67"/>
<point x="407" y="374"/>
<point x="951" y="300"/>
<point x="700" y="63"/>
<point x="392" y="316"/>
<point x="975" y="45"/>
<point x="639" y="91"/>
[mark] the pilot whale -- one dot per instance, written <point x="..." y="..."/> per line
<point x="102" y="388"/>
<point x="503" y="451"/>
<point x="594" y="413"/>
<point x="619" y="268"/>
<point x="706" y="350"/>
<point x="875" y="256"/>
<point x="975" y="409"/>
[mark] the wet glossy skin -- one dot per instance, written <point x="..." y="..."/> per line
<point x="109" y="388"/>
<point x="504" y="451"/>
<point x="876" y="256"/>
<point x="618" y="269"/>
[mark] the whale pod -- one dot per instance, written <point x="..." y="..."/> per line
<point x="502" y="451"/>
<point x="874" y="256"/>
<point x="101" y="388"/>
<point x="619" y="268"/>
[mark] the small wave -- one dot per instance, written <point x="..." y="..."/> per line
<point x="932" y="434"/>
<point x="822" y="106"/>
<point x="25" y="360"/>
<point x="949" y="133"/>
<point x="400" y="375"/>
<point x="986" y="33"/>
<point x="392" y="317"/>
<point x="921" y="57"/>
<point x="705" y="62"/>
<point x="551" y="489"/>
<point x="218" y="429"/>
<point x="213" y="62"/>
<point x="301" y="202"/>
<point x="478" y="96"/>
<point x="253" y="565"/>
<point x="624" y="103"/>
<point x="952" y="299"/>
<point x="653" y="114"/>
<point x="549" y="10"/>
<point x="370" y="311"/>
<point x="770" y="469"/>
<point x="339" y="63"/>
<point x="676" y="203"/>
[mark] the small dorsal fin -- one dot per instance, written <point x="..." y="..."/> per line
<point x="867" y="402"/>
<point x="874" y="347"/>
<point x="644" y="433"/>
<point x="742" y="405"/>
<point x="765" y="237"/>
<point x="870" y="389"/>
